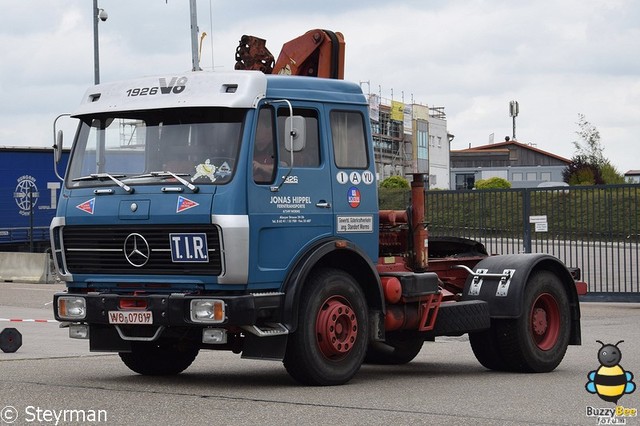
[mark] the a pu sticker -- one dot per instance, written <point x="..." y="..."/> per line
<point x="205" y="169"/>
<point x="185" y="204"/>
<point x="353" y="197"/>
<point x="87" y="206"/>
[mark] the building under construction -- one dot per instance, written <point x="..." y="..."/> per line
<point x="410" y="138"/>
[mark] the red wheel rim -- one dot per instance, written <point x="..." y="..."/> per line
<point x="336" y="328"/>
<point x="545" y="321"/>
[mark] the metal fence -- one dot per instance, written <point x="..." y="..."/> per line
<point x="595" y="228"/>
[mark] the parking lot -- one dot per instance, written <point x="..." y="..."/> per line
<point x="52" y="379"/>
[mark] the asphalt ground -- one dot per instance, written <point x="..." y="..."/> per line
<point x="52" y="380"/>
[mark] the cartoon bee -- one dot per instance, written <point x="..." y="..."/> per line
<point x="610" y="381"/>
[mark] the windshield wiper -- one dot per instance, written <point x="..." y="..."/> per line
<point x="165" y="173"/>
<point x="114" y="178"/>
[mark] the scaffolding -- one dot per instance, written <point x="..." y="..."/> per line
<point x="393" y="153"/>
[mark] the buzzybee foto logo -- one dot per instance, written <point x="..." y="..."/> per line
<point x="610" y="382"/>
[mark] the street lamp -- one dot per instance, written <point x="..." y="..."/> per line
<point x="98" y="15"/>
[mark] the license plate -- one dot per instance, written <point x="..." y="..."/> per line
<point x="189" y="247"/>
<point x="130" y="317"/>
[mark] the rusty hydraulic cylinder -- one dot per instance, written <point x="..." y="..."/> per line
<point x="393" y="217"/>
<point x="419" y="231"/>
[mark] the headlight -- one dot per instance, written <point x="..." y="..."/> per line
<point x="207" y="310"/>
<point x="72" y="308"/>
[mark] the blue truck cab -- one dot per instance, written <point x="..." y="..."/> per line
<point x="194" y="207"/>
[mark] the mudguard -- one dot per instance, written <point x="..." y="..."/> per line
<point x="344" y="255"/>
<point x="506" y="298"/>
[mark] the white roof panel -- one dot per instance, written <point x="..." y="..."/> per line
<point x="238" y="89"/>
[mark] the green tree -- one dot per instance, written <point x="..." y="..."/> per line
<point x="395" y="182"/>
<point x="493" y="183"/>
<point x="589" y="166"/>
<point x="611" y="175"/>
<point x="580" y="172"/>
<point x="591" y="152"/>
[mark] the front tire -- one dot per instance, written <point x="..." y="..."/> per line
<point x="331" y="340"/>
<point x="154" y="359"/>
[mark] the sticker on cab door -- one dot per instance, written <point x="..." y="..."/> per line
<point x="353" y="196"/>
<point x="185" y="204"/>
<point x="87" y="206"/>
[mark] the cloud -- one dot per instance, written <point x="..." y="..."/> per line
<point x="557" y="59"/>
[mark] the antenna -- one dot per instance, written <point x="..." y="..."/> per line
<point x="514" y="109"/>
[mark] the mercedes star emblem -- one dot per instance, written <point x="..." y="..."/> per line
<point x="136" y="250"/>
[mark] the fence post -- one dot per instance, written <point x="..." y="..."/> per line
<point x="526" y="226"/>
<point x="481" y="228"/>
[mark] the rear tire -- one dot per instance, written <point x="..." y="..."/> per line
<point x="331" y="340"/>
<point x="154" y="359"/>
<point x="537" y="341"/>
<point x="486" y="348"/>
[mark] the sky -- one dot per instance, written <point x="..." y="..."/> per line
<point x="557" y="59"/>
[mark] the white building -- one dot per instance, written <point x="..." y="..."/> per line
<point x="632" y="176"/>
<point x="410" y="138"/>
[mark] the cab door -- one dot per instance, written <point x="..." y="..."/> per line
<point x="291" y="206"/>
<point x="355" y="194"/>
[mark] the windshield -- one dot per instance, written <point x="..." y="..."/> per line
<point x="199" y="144"/>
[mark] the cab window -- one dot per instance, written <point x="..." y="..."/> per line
<point x="349" y="142"/>
<point x="264" y="153"/>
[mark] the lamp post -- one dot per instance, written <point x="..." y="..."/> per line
<point x="98" y="15"/>
<point x="195" y="56"/>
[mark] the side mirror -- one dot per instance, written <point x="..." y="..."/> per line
<point x="57" y="147"/>
<point x="295" y="133"/>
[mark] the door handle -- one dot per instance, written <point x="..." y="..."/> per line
<point x="323" y="204"/>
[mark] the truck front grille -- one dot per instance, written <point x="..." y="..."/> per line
<point x="101" y="250"/>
